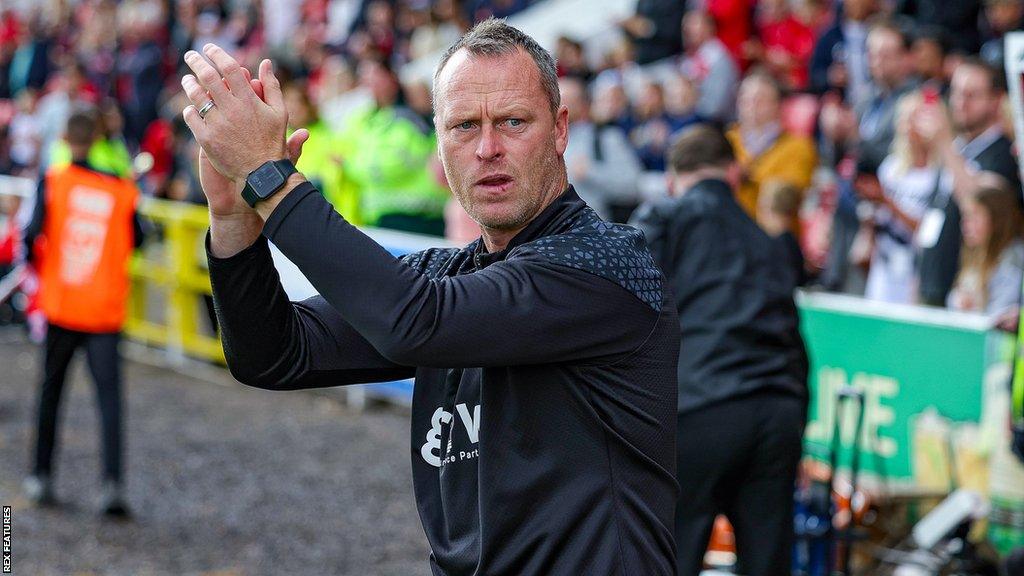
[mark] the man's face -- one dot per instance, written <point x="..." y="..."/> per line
<point x="757" y="103"/>
<point x="886" y="58"/>
<point x="973" y="104"/>
<point x="500" y="145"/>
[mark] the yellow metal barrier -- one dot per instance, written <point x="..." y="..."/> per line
<point x="177" y="267"/>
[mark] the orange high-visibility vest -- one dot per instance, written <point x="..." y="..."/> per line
<point x="89" y="238"/>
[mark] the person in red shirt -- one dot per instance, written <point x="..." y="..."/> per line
<point x="784" y="44"/>
<point x="734" y="24"/>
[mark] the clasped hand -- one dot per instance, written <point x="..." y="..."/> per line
<point x="244" y="128"/>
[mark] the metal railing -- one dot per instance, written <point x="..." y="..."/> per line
<point x="169" y="281"/>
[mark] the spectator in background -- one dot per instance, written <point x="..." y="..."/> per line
<point x="419" y="100"/>
<point x="959" y="19"/>
<point x="784" y="44"/>
<point x="69" y="89"/>
<point x="340" y="17"/>
<point x="655" y="29"/>
<point x="974" y="142"/>
<point x="571" y="60"/>
<point x="652" y="131"/>
<point x="891" y="67"/>
<point x="733" y="25"/>
<point x="108" y="152"/>
<point x="764" y="150"/>
<point x="680" y="102"/>
<point x="97" y="48"/>
<point x="386" y="151"/>
<point x="140" y="67"/>
<point x="907" y="179"/>
<point x="929" y="51"/>
<point x="319" y="162"/>
<point x="709" y="66"/>
<point x="652" y="126"/>
<point x="864" y="137"/>
<point x="778" y="214"/>
<point x="440" y="31"/>
<point x="33" y="60"/>
<point x="26" y="130"/>
<point x="339" y="93"/>
<point x="611" y="103"/>
<point x="992" y="266"/>
<point x="839" y="62"/>
<point x="281" y="18"/>
<point x="10" y="32"/>
<point x="1002" y="16"/>
<point x="376" y="37"/>
<point x="742" y="363"/>
<point x="601" y="163"/>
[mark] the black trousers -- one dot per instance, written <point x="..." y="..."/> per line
<point x="105" y="366"/>
<point x="739" y="458"/>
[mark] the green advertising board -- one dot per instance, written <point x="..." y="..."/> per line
<point x="906" y="360"/>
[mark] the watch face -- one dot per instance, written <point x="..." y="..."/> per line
<point x="266" y="179"/>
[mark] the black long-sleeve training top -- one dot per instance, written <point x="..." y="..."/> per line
<point x="543" y="415"/>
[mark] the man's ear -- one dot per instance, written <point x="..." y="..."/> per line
<point x="561" y="129"/>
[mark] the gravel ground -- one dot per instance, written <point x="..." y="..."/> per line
<point x="223" y="480"/>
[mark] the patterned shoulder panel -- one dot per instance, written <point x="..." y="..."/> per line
<point x="440" y="262"/>
<point x="430" y="261"/>
<point x="612" y="251"/>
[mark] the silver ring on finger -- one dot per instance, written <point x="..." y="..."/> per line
<point x="206" y="109"/>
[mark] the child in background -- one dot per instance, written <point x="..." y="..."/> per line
<point x="992" y="258"/>
<point x="778" y="214"/>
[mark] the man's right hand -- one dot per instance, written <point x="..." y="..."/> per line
<point x="234" y="226"/>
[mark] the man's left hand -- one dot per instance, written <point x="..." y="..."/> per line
<point x="242" y="130"/>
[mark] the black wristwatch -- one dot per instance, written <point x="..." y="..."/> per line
<point x="266" y="180"/>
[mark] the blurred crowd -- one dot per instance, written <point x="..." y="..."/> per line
<point x="876" y="133"/>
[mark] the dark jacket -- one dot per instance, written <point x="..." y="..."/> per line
<point x="543" y="423"/>
<point x="666" y="38"/>
<point x="733" y="289"/>
<point x="940" y="263"/>
<point x="822" y="58"/>
<point x="958" y="19"/>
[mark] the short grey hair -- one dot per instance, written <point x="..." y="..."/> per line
<point x="494" y="37"/>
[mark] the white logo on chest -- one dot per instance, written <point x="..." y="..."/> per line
<point x="431" y="450"/>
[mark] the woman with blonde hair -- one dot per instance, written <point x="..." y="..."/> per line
<point x="992" y="257"/>
<point x="907" y="180"/>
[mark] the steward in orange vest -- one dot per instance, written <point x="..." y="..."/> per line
<point x="86" y="226"/>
